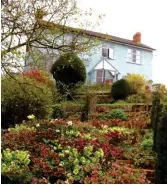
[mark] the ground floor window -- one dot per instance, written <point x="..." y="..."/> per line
<point x="105" y="76"/>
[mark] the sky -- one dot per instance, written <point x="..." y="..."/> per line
<point x="123" y="18"/>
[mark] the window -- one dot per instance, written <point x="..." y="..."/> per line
<point x="134" y="56"/>
<point x="104" y="75"/>
<point x="107" y="51"/>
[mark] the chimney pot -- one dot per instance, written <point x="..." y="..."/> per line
<point x="137" y="37"/>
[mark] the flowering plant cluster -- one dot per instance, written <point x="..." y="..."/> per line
<point x="75" y="163"/>
<point x="15" y="164"/>
<point x="60" y="151"/>
<point x="117" y="174"/>
<point x="34" y="74"/>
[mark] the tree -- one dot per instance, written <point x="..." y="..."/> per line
<point x="23" y="25"/>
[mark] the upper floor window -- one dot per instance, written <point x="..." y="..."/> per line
<point x="134" y="56"/>
<point x="107" y="51"/>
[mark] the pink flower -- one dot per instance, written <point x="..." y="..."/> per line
<point x="35" y="180"/>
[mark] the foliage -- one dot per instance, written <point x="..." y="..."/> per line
<point x="135" y="98"/>
<point x="141" y="157"/>
<point x="58" y="113"/>
<point x="20" y="128"/>
<point x="120" y="89"/>
<point x="22" y="28"/>
<point x="117" y="174"/>
<point x="96" y="87"/>
<point x="77" y="163"/>
<point x="22" y="97"/>
<point x="115" y="113"/>
<point x="69" y="63"/>
<point x="147" y="140"/>
<point x="136" y="82"/>
<point x="63" y="151"/>
<point x="155" y="116"/>
<point x="15" y="165"/>
<point x="41" y="76"/>
<point x="118" y="113"/>
<point x="161" y="148"/>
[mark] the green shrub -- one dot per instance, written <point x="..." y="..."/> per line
<point x="115" y="113"/>
<point x="135" y="98"/>
<point x="136" y="82"/>
<point x="68" y="71"/>
<point x="58" y="113"/>
<point x="147" y="141"/>
<point x="120" y="89"/>
<point x="24" y="96"/>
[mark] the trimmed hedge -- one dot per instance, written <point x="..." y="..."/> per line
<point x="120" y="89"/>
<point x="68" y="71"/>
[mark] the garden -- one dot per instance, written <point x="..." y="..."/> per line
<point x="66" y="132"/>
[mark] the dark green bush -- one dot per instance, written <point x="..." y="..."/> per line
<point x="161" y="149"/>
<point x="22" y="97"/>
<point x="120" y="89"/>
<point x="58" y="113"/>
<point x="115" y="113"/>
<point x="68" y="71"/>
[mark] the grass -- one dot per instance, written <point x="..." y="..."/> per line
<point x="105" y="104"/>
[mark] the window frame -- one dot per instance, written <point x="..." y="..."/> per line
<point x="134" y="56"/>
<point x="107" y="47"/>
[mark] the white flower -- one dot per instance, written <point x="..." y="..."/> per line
<point x="37" y="125"/>
<point x="61" y="155"/>
<point x="69" y="123"/>
<point x="57" y="130"/>
<point x="61" y="163"/>
<point x="66" y="151"/>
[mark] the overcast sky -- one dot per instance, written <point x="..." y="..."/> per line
<point x="123" y="18"/>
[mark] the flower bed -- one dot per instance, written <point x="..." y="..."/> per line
<point x="59" y="151"/>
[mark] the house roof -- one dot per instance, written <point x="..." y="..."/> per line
<point x="51" y="25"/>
<point x="116" y="39"/>
<point x="105" y="64"/>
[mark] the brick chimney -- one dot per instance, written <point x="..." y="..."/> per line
<point x="137" y="37"/>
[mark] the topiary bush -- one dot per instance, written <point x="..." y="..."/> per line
<point x="24" y="96"/>
<point x="120" y="89"/>
<point x="68" y="71"/>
